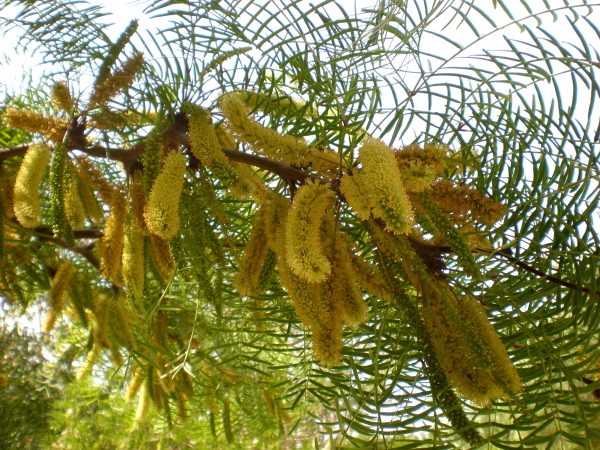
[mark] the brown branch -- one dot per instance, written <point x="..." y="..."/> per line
<point x="86" y="252"/>
<point x="539" y="273"/>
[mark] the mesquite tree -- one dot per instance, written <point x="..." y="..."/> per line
<point x="265" y="205"/>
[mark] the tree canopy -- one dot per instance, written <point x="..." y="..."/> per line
<point x="301" y="225"/>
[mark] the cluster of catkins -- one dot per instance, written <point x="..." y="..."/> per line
<point x="400" y="195"/>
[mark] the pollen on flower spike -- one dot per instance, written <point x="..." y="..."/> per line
<point x="384" y="188"/>
<point x="304" y="252"/>
<point x="162" y="216"/>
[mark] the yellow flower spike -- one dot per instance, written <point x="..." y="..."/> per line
<point x="159" y="248"/>
<point x="86" y="370"/>
<point x="225" y="138"/>
<point x="121" y="324"/>
<point x="138" y="203"/>
<point x="327" y="343"/>
<point x="27" y="185"/>
<point x="7" y="193"/>
<point x="384" y="188"/>
<point x="433" y="155"/>
<point x="205" y="143"/>
<point x="417" y="176"/>
<point x="102" y="308"/>
<point x="112" y="242"/>
<point x="61" y="97"/>
<point x="503" y="369"/>
<point x="276" y="209"/>
<point x="247" y="184"/>
<point x="162" y="215"/>
<point x="73" y="203"/>
<point x="351" y="187"/>
<point x="133" y="254"/>
<point x="304" y="253"/>
<point x="60" y="282"/>
<point x="254" y="256"/>
<point x="144" y="401"/>
<point x="122" y="78"/>
<point x="50" y="127"/>
<point x="368" y="277"/>
<point x="261" y="139"/>
<point x="135" y="383"/>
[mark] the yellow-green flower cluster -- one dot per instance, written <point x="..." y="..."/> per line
<point x="133" y="254"/>
<point x="442" y="224"/>
<point x="354" y="192"/>
<point x="27" y="185"/>
<point x="205" y="143"/>
<point x="61" y="97"/>
<point x="467" y="346"/>
<point x="261" y="139"/>
<point x="50" y="127"/>
<point x="58" y="190"/>
<point x="111" y="85"/>
<point x="73" y="205"/>
<point x="60" y="282"/>
<point x="383" y="185"/>
<point x="304" y="251"/>
<point x="162" y="216"/>
<point x="255" y="253"/>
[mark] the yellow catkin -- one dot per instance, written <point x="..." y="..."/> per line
<point x="121" y="323"/>
<point x="275" y="208"/>
<point x="90" y="361"/>
<point x="433" y="155"/>
<point x="384" y="188"/>
<point x="60" y="282"/>
<point x="50" y="127"/>
<point x="27" y="185"/>
<point x="144" y="402"/>
<point x="183" y="410"/>
<point x="369" y="278"/>
<point x="464" y="204"/>
<point x="135" y="383"/>
<point x="255" y="253"/>
<point x="111" y="248"/>
<point x="7" y="193"/>
<point x="138" y="203"/>
<point x="133" y="255"/>
<point x="162" y="216"/>
<point x="100" y="327"/>
<point x="247" y="184"/>
<point x="416" y="176"/>
<point x="304" y="253"/>
<point x="159" y="248"/>
<point x="73" y="202"/>
<point x="111" y="244"/>
<point x="350" y="185"/>
<point x="61" y="97"/>
<point x="119" y="80"/>
<point x="225" y="138"/>
<point x="204" y="140"/>
<point x="261" y="139"/>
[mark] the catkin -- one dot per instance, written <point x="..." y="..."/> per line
<point x="73" y="203"/>
<point x="27" y="185"/>
<point x="61" y="97"/>
<point x="255" y="253"/>
<point x="205" y="144"/>
<point x="58" y="190"/>
<point x="109" y="87"/>
<point x="304" y="253"/>
<point x="50" y="127"/>
<point x="60" y="282"/>
<point x="384" y="188"/>
<point x="354" y="192"/>
<point x="133" y="255"/>
<point x="162" y="216"/>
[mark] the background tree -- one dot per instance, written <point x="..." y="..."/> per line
<point x="222" y="219"/>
